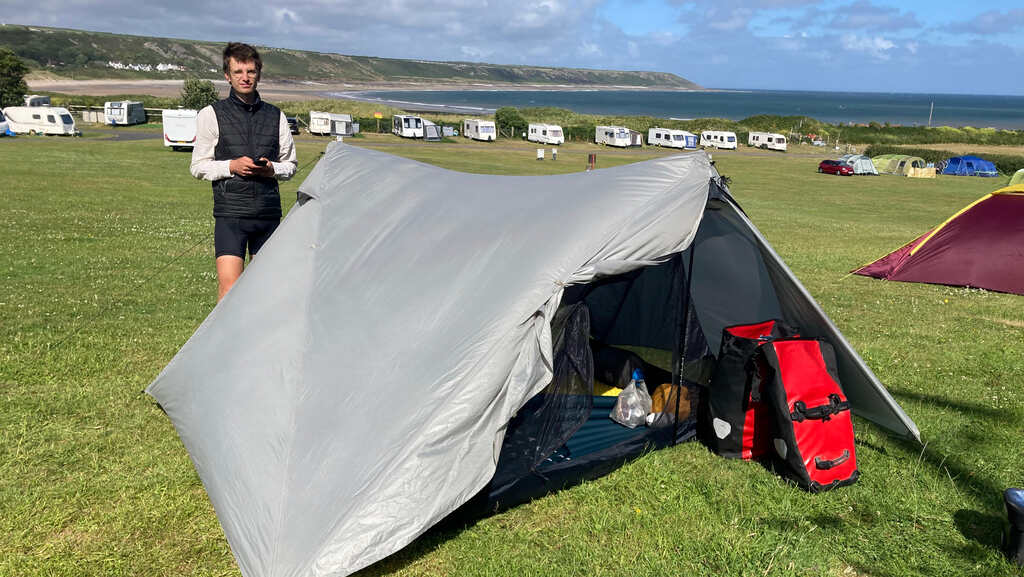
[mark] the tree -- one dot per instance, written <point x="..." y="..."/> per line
<point x="509" y="121"/>
<point x="12" y="78"/>
<point x="197" y="93"/>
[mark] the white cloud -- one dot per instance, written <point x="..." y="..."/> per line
<point x="992" y="22"/>
<point x="864" y="15"/>
<point x="728" y="20"/>
<point x="588" y="49"/>
<point x="875" y="46"/>
<point x="474" y="52"/>
<point x="285" y="20"/>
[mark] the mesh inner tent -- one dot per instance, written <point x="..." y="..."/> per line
<point x="552" y="416"/>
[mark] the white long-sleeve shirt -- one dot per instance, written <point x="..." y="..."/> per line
<point x="207" y="132"/>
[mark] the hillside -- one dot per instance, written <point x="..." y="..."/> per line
<point x="85" y="55"/>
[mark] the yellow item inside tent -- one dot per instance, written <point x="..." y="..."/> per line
<point x="603" y="390"/>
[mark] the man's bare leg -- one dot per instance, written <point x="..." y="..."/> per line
<point x="229" y="268"/>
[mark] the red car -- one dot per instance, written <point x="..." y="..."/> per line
<point x="835" y="167"/>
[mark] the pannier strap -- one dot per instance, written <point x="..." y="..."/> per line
<point x="823" y="412"/>
<point x="826" y="465"/>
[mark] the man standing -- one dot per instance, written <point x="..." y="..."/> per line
<point x="244" y="146"/>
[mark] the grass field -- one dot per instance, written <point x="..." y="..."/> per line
<point x="106" y="268"/>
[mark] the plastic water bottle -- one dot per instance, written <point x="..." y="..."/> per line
<point x="638" y="378"/>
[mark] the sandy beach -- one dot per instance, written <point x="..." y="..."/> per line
<point x="284" y="90"/>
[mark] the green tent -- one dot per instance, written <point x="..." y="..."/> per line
<point x="900" y="164"/>
<point x="1018" y="177"/>
<point x="883" y="161"/>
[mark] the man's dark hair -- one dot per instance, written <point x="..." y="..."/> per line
<point x="241" y="53"/>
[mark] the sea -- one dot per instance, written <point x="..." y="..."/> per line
<point x="979" y="111"/>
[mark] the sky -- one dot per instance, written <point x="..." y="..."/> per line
<point x="852" y="45"/>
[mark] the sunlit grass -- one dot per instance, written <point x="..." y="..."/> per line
<point x="107" y="268"/>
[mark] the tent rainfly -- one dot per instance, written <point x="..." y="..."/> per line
<point x="903" y="165"/>
<point x="976" y="247"/>
<point x="970" y="166"/>
<point x="861" y="164"/>
<point x="398" y="348"/>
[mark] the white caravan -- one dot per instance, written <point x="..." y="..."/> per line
<point x="180" y="128"/>
<point x="612" y="136"/>
<point x="545" y="133"/>
<point x="36" y="100"/>
<point x="769" y="140"/>
<point x="479" y="129"/>
<point x="124" y="112"/>
<point x="718" y="139"/>
<point x="40" y="120"/>
<point x="407" y="126"/>
<point x="3" y="124"/>
<point x="328" y="123"/>
<point x="672" y="138"/>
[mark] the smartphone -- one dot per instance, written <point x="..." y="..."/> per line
<point x="260" y="162"/>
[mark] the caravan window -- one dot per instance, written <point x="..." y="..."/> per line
<point x="677" y="137"/>
<point x="732" y="139"/>
<point x="51" y="119"/>
<point x="419" y="123"/>
<point x="556" y="133"/>
<point x="66" y="118"/>
<point x="486" y="129"/>
<point x="781" y="141"/>
<point x="36" y="117"/>
<point x="407" y="121"/>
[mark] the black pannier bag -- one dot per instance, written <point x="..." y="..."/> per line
<point x="732" y="419"/>
<point x="813" y="436"/>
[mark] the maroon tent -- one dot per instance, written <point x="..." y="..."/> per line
<point x="981" y="246"/>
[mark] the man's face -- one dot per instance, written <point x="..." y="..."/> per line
<point x="242" y="76"/>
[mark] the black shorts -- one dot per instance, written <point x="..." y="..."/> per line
<point x="231" y="236"/>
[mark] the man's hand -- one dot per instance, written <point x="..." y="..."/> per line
<point x="244" y="166"/>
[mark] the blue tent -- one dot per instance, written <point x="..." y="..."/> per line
<point x="970" y="166"/>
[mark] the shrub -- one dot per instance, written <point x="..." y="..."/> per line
<point x="198" y="94"/>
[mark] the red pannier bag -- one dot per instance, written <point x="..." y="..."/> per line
<point x="813" y="428"/>
<point x="733" y="420"/>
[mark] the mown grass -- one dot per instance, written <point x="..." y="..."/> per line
<point x="106" y="269"/>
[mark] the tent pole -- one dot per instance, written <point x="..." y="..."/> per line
<point x="682" y="331"/>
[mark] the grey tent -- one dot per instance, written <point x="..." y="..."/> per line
<point x="432" y="132"/>
<point x="355" y="386"/>
<point x="861" y="164"/>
